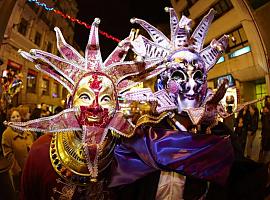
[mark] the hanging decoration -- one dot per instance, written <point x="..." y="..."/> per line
<point x="73" y="19"/>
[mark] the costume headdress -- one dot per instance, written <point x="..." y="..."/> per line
<point x="183" y="63"/>
<point x="69" y="71"/>
<point x="161" y="47"/>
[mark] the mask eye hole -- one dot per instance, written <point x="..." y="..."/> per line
<point x="198" y="75"/>
<point x="84" y="96"/>
<point x="178" y="76"/>
<point x="105" y="99"/>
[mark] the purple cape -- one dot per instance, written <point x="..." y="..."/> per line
<point x="206" y="157"/>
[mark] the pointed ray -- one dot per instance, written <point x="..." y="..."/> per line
<point x="200" y="32"/>
<point x="156" y="35"/>
<point x="119" y="53"/>
<point x="46" y="69"/>
<point x="92" y="51"/>
<point x="63" y="121"/>
<point x="148" y="49"/>
<point x="66" y="50"/>
<point x="180" y="37"/>
<point x="50" y="71"/>
<point x="66" y="69"/>
<point x="173" y="20"/>
<point x="211" y="53"/>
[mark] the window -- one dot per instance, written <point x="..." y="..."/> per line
<point x="260" y="92"/>
<point x="240" y="52"/>
<point x="49" y="47"/>
<point x="23" y="26"/>
<point x="31" y="81"/>
<point x="45" y="86"/>
<point x="55" y="90"/>
<point x="64" y="93"/>
<point x="38" y="38"/>
<point x="238" y="39"/>
<point x="257" y="3"/>
<point x="222" y="7"/>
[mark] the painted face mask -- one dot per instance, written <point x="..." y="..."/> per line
<point x="186" y="79"/>
<point x="96" y="98"/>
<point x="181" y="62"/>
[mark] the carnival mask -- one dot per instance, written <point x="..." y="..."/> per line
<point x="95" y="95"/>
<point x="185" y="79"/>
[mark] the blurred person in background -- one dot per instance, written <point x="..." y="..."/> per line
<point x="241" y="125"/>
<point x="16" y="145"/>
<point x="252" y="127"/>
<point x="6" y="188"/>
<point x="35" y="114"/>
<point x="265" y="113"/>
<point x="57" y="110"/>
<point x="25" y="112"/>
<point x="44" y="110"/>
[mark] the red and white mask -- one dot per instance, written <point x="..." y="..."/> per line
<point x="95" y="95"/>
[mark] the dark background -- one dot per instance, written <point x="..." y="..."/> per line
<point x="115" y="18"/>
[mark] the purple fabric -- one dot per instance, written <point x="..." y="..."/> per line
<point x="207" y="157"/>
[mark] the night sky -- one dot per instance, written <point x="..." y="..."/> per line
<point x="115" y="18"/>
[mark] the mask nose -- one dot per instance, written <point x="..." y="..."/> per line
<point x="191" y="84"/>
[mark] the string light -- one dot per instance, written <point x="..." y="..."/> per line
<point x="41" y="4"/>
<point x="73" y="19"/>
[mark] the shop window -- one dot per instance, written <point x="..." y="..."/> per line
<point x="31" y="81"/>
<point x="45" y="86"/>
<point x="38" y="38"/>
<point x="23" y="26"/>
<point x="55" y="90"/>
<point x="260" y="93"/>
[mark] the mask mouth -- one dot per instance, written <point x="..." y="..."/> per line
<point x="93" y="118"/>
<point x="190" y="97"/>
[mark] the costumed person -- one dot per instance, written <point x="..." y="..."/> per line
<point x="73" y="159"/>
<point x="182" y="65"/>
<point x="16" y="146"/>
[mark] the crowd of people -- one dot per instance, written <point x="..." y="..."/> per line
<point x="15" y="146"/>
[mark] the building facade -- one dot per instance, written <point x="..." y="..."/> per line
<point x="31" y="27"/>
<point x="246" y="61"/>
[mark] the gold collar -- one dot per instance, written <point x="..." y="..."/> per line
<point x="68" y="158"/>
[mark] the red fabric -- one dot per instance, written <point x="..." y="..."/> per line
<point x="38" y="177"/>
